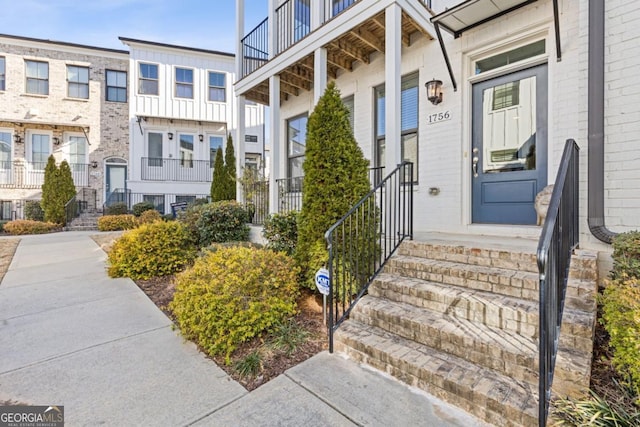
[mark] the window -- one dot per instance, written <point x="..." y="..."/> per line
<point x="340" y="5"/>
<point x="296" y="141"/>
<point x="215" y="142"/>
<point x="189" y="199"/>
<point x="77" y="82"/>
<point x="154" y="142"/>
<point x="40" y="150"/>
<point x="518" y="54"/>
<point x="349" y="103"/>
<point x="184" y="83"/>
<point x="301" y="19"/>
<point x="408" y="123"/>
<point x="37" y="77"/>
<point x="3" y="73"/>
<point x="116" y="86"/>
<point x="186" y="151"/>
<point x="157" y="200"/>
<point x="77" y="153"/>
<point x="217" y="87"/>
<point x="5" y="210"/>
<point x="506" y="95"/>
<point x="148" y="82"/>
<point x="5" y="150"/>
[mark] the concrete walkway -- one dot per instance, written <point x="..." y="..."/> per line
<point x="71" y="336"/>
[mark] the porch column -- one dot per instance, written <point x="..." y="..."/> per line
<point x="240" y="105"/>
<point x="319" y="73"/>
<point x="392" y="74"/>
<point x="272" y="39"/>
<point x="317" y="14"/>
<point x="276" y="142"/>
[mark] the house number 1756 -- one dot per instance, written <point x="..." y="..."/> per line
<point x="438" y="117"/>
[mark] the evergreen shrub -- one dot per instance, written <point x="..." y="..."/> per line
<point x="117" y="222"/>
<point x="281" y="231"/>
<point x="234" y="294"/>
<point x="33" y="210"/>
<point x="141" y="207"/>
<point x="149" y="216"/>
<point x="26" y="226"/>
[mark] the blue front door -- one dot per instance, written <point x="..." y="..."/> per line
<point x="509" y="146"/>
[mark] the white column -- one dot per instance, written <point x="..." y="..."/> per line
<point x="392" y="73"/>
<point x="272" y="30"/>
<point x="317" y="14"/>
<point x="319" y="73"/>
<point x="275" y="140"/>
<point x="240" y="106"/>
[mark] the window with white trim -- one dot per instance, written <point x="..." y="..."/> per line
<point x="37" y="75"/>
<point x="296" y="142"/>
<point x="215" y="143"/>
<point x="186" y="150"/>
<point x="148" y="79"/>
<point x="6" y="140"/>
<point x="154" y="149"/>
<point x="77" y="82"/>
<point x="116" y="86"/>
<point x="3" y="73"/>
<point x="157" y="200"/>
<point x="217" y="87"/>
<point x="184" y="83"/>
<point x="77" y="153"/>
<point x="40" y="150"/>
<point x="349" y="103"/>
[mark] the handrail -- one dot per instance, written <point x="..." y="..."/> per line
<point x="71" y="210"/>
<point x="558" y="240"/>
<point x="362" y="241"/>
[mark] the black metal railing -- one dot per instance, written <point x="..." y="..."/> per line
<point x="293" y="23"/>
<point x="335" y="8"/>
<point x="20" y="174"/>
<point x="558" y="240"/>
<point x="161" y="202"/>
<point x="256" y="197"/>
<point x="289" y="194"/>
<point x="157" y="169"/>
<point x="255" y="48"/>
<point x="362" y="241"/>
<point x="71" y="210"/>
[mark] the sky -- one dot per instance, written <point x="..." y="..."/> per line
<point x="205" y="24"/>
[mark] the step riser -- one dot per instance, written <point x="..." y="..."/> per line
<point x="472" y="394"/>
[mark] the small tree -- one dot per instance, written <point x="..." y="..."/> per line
<point x="67" y="188"/>
<point x="218" y="192"/>
<point x="53" y="212"/>
<point x="335" y="178"/>
<point x="230" y="167"/>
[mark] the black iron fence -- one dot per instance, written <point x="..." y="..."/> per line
<point x="158" y="169"/>
<point x="20" y="174"/>
<point x="256" y="196"/>
<point x="293" y="23"/>
<point x="364" y="239"/>
<point x="289" y="194"/>
<point x="255" y="48"/>
<point x="161" y="202"/>
<point x="558" y="240"/>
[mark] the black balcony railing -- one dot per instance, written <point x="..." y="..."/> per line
<point x="20" y="174"/>
<point x="362" y="241"/>
<point x="255" y="48"/>
<point x="257" y="201"/>
<point x="293" y="23"/>
<point x="558" y="240"/>
<point x="157" y="169"/>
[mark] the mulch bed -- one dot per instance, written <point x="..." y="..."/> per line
<point x="160" y="290"/>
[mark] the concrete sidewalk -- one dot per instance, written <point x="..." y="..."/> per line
<point x="71" y="336"/>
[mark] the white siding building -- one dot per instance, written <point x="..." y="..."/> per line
<point x="183" y="106"/>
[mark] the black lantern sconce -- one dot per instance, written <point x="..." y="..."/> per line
<point x="434" y="91"/>
<point x="56" y="140"/>
<point x="94" y="164"/>
<point x="201" y="137"/>
<point x="17" y="138"/>
<point x="170" y="135"/>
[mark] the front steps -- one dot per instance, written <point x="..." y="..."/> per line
<point x="460" y="320"/>
<point x="86" y="221"/>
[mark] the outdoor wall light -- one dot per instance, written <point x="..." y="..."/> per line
<point x="170" y="135"/>
<point x="94" y="164"/>
<point x="434" y="91"/>
<point x="56" y="140"/>
<point x="201" y="137"/>
<point x="17" y="138"/>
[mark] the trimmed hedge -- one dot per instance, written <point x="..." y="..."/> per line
<point x="117" y="222"/>
<point x="33" y="210"/>
<point x="149" y="216"/>
<point x="218" y="222"/>
<point x="232" y="295"/>
<point x="27" y="226"/>
<point x="281" y="231"/>
<point x="156" y="249"/>
<point x="119" y="208"/>
<point x="141" y="207"/>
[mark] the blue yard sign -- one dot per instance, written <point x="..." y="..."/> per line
<point x="322" y="281"/>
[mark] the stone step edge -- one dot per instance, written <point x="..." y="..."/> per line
<point x="399" y="363"/>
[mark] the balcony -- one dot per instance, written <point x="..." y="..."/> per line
<point x="26" y="175"/>
<point x="174" y="170"/>
<point x="357" y="30"/>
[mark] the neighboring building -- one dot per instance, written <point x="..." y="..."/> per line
<point x="183" y="106"/>
<point x="64" y="99"/>
<point x="478" y="164"/>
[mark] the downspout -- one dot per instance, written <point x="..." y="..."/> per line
<point x="596" y="123"/>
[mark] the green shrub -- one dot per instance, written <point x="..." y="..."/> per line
<point x="2" y="224"/>
<point x="57" y="189"/>
<point x="230" y="170"/>
<point x="217" y="222"/>
<point x="138" y="208"/>
<point x="250" y="365"/>
<point x="218" y="181"/>
<point x="33" y="210"/>
<point x="117" y="222"/>
<point x="26" y="226"/>
<point x="156" y="249"/>
<point x="626" y="255"/>
<point x="281" y="231"/>
<point x="232" y="295"/>
<point x="119" y="208"/>
<point x="595" y="411"/>
<point x="168" y="217"/>
<point x="288" y="336"/>
<point x="336" y="177"/>
<point x="621" y="318"/>
<point x="149" y="216"/>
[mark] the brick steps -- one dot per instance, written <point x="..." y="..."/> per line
<point x="85" y="222"/>
<point x="480" y="391"/>
<point x="461" y="322"/>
